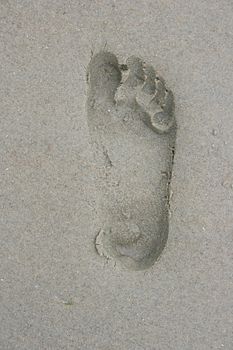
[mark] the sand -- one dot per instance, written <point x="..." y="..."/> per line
<point x="56" y="291"/>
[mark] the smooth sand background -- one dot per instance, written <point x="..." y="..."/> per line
<point x="56" y="292"/>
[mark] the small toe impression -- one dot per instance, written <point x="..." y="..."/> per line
<point x="161" y="122"/>
<point x="136" y="75"/>
<point x="160" y="116"/>
<point x="104" y="77"/>
<point x="149" y="86"/>
<point x="164" y="120"/>
<point x="160" y="91"/>
<point x="168" y="104"/>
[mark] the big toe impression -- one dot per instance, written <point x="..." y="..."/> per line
<point x="104" y="77"/>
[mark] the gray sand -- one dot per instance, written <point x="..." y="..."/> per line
<point x="56" y="291"/>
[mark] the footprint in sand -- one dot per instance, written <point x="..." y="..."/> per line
<point x="132" y="129"/>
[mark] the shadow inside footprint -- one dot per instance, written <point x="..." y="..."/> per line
<point x="132" y="130"/>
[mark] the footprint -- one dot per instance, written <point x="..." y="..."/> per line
<point x="132" y="129"/>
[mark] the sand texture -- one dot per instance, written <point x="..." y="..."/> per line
<point x="56" y="291"/>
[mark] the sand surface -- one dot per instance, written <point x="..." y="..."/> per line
<point x="56" y="291"/>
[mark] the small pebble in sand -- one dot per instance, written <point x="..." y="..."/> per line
<point x="214" y="132"/>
